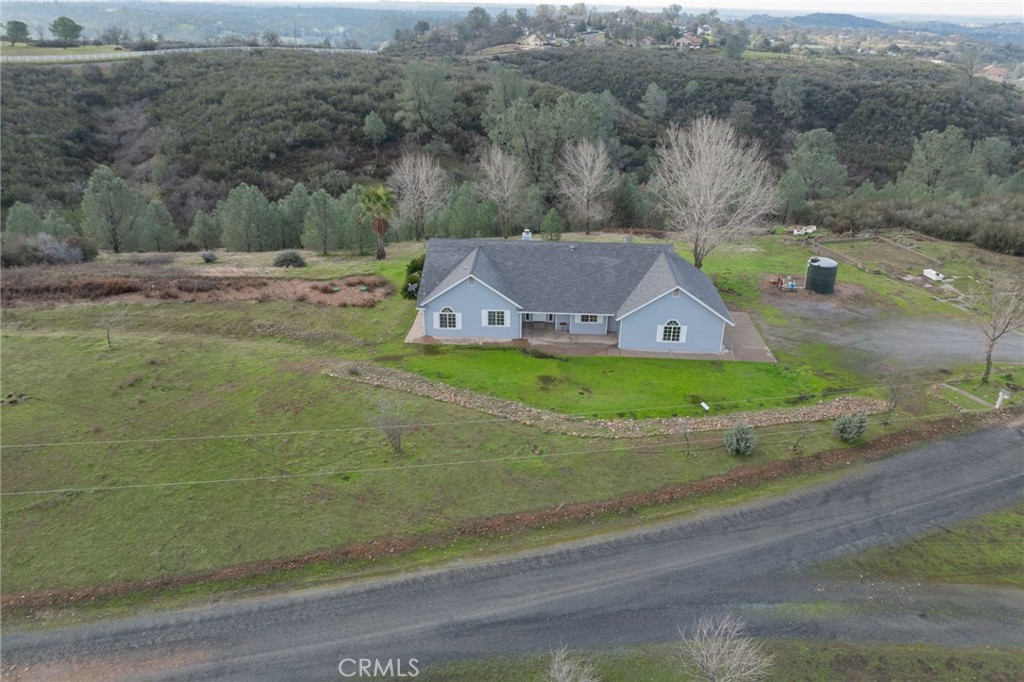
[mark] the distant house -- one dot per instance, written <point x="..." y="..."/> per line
<point x="644" y="296"/>
<point x="999" y="74"/>
<point x="688" y="42"/>
<point x="533" y="41"/>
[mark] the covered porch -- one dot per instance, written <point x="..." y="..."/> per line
<point x="742" y="342"/>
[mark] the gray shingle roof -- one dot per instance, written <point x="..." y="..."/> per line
<point x="566" y="277"/>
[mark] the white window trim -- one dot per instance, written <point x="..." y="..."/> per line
<point x="661" y="331"/>
<point x="579" y="319"/>
<point x="506" y="313"/>
<point x="437" y="319"/>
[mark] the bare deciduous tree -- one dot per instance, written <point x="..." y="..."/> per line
<point x="110" y="322"/>
<point x="797" y="445"/>
<point x="503" y="181"/>
<point x="584" y="179"/>
<point x="391" y="420"/>
<point x="1002" y="311"/>
<point x="711" y="185"/>
<point x="567" y="667"/>
<point x="900" y="392"/>
<point x="421" y="186"/>
<point x="716" y="650"/>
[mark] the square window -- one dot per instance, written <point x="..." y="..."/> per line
<point x="495" y="318"/>
<point x="447" y="320"/>
<point x="588" y="318"/>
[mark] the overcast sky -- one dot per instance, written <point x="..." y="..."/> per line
<point x="1010" y="9"/>
<point x="1004" y="8"/>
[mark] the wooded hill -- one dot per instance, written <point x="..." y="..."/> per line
<point x="189" y="128"/>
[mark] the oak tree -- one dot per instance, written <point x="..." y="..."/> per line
<point x="711" y="185"/>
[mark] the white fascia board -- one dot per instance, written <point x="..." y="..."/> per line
<point x="699" y="302"/>
<point x="440" y="293"/>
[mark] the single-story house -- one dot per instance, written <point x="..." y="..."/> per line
<point x="688" y="42"/>
<point x="645" y="295"/>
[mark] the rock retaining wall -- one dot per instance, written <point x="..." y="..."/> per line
<point x="553" y="422"/>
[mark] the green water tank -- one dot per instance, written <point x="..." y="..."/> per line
<point x="821" y="275"/>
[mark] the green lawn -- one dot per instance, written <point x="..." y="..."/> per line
<point x="20" y="49"/>
<point x="210" y="411"/>
<point x="628" y="387"/>
<point x="795" y="661"/>
<point x="223" y="374"/>
<point x="988" y="550"/>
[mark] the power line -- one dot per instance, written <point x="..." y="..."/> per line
<point x="427" y="465"/>
<point x="556" y="415"/>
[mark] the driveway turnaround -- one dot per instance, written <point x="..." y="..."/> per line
<point x="639" y="586"/>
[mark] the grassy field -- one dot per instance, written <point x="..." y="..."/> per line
<point x="795" y="661"/>
<point x="22" y="50"/>
<point x="247" y="454"/>
<point x="207" y="437"/>
<point x="964" y="265"/>
<point x="983" y="551"/>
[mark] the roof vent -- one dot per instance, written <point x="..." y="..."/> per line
<point x="527" y="235"/>
<point x="572" y="247"/>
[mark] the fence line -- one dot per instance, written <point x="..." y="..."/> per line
<point x="113" y="56"/>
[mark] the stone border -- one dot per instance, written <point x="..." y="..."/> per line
<point x="553" y="422"/>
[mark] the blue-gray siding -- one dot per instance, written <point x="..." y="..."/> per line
<point x="468" y="301"/>
<point x="599" y="327"/>
<point x="704" y="329"/>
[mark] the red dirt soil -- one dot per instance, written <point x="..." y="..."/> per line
<point x="362" y="291"/>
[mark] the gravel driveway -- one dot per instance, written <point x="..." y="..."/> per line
<point x="873" y="338"/>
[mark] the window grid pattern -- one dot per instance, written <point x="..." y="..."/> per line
<point x="447" y="318"/>
<point x="671" y="332"/>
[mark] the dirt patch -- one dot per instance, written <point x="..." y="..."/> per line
<point x="509" y="524"/>
<point x="844" y="292"/>
<point x="22" y="289"/>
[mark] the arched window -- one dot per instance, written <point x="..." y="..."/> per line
<point x="447" y="319"/>
<point x="671" y="332"/>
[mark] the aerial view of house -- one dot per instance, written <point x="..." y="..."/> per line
<point x="523" y="343"/>
<point x="645" y="295"/>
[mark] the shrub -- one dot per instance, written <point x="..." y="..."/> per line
<point x="86" y="246"/>
<point x="208" y="256"/>
<point x="40" y="248"/>
<point x="15" y="251"/>
<point x="413" y="274"/>
<point x="850" y="427"/>
<point x="740" y="440"/>
<point x="54" y="252"/>
<point x="289" y="259"/>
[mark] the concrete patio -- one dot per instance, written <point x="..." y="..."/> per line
<point x="742" y="342"/>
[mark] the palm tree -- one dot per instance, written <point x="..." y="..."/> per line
<point x="378" y="203"/>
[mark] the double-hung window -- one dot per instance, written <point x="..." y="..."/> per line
<point x="495" y="318"/>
